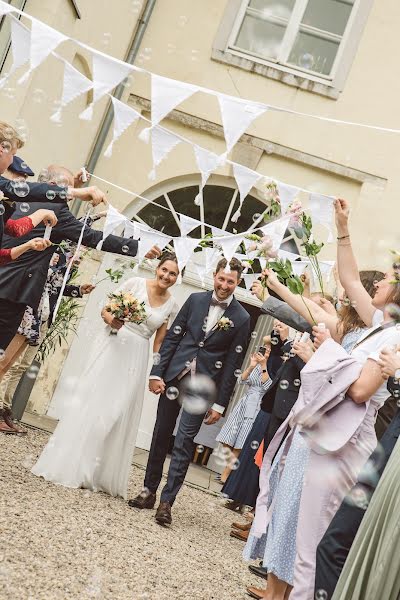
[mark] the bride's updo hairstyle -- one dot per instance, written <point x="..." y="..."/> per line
<point x="167" y="256"/>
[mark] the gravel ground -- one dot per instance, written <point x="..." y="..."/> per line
<point x="62" y="544"/>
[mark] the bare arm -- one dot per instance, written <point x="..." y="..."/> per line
<point x="160" y="335"/>
<point x="367" y="384"/>
<point x="347" y="266"/>
<point x="37" y="244"/>
<point x="304" y="306"/>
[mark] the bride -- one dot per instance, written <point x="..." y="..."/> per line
<point x="93" y="443"/>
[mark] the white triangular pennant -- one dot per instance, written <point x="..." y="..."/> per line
<point x="212" y="257"/>
<point x="74" y="85"/>
<point x="5" y="8"/>
<point x="166" y="94"/>
<point x="326" y="267"/>
<point x="250" y="279"/>
<point x="287" y="193"/>
<point x="237" y="116"/>
<point x="20" y="46"/>
<point x="263" y="262"/>
<point x="113" y="219"/>
<point x="216" y="233"/>
<point x="276" y="231"/>
<point x="124" y="116"/>
<point x="187" y="224"/>
<point x="151" y="238"/>
<point x="321" y="208"/>
<point x="184" y="247"/>
<point x="284" y="254"/>
<point x="44" y="40"/>
<point x="207" y="162"/>
<point x="299" y="266"/>
<point x="132" y="230"/>
<point x="245" y="179"/>
<point x="162" y="143"/>
<point x="107" y="74"/>
<point x="229" y="245"/>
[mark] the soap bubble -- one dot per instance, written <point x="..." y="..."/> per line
<point x="172" y="393"/>
<point x="254" y="445"/>
<point x="195" y="55"/>
<point x="187" y="364"/>
<point x="106" y="39"/>
<point x="136" y="5"/>
<point x="254" y="334"/>
<point x="297" y="382"/>
<point x="2" y="209"/>
<point x="156" y="358"/>
<point x="218" y="364"/>
<point x="274" y="340"/>
<point x="2" y="354"/>
<point x="237" y="373"/>
<point x="38" y="95"/>
<point x="6" y="146"/>
<point x="177" y="330"/>
<point x="21" y="188"/>
<point x="321" y="595"/>
<point x="75" y="293"/>
<point x="256" y="216"/>
<point x="32" y="372"/>
<point x="269" y="149"/>
<point x="50" y="194"/>
<point x="200" y="448"/>
<point x="198" y="394"/>
<point x="183" y="20"/>
<point x="171" y="48"/>
<point x="201" y="344"/>
<point x="306" y="61"/>
<point x="125" y="249"/>
<point x="284" y="384"/>
<point x="24" y="207"/>
<point x="238" y="349"/>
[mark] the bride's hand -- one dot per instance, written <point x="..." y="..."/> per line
<point x="111" y="321"/>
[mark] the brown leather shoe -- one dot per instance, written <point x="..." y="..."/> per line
<point x="242" y="526"/>
<point x="9" y="420"/>
<point x="145" y="499"/>
<point x="240" y="535"/>
<point x="4" y="428"/>
<point x="163" y="514"/>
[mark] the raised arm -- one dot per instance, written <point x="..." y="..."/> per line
<point x="308" y="309"/>
<point x="347" y="266"/>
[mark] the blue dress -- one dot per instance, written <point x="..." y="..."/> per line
<point x="277" y="547"/>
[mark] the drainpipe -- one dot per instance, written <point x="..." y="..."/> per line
<point x="119" y="90"/>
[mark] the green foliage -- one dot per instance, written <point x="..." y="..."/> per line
<point x="65" y="322"/>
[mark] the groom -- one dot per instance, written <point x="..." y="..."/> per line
<point x="197" y="343"/>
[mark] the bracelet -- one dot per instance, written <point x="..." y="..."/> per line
<point x="343" y="237"/>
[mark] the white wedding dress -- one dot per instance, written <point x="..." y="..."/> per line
<point x="93" y="443"/>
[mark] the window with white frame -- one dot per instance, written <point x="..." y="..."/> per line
<point x="305" y="43"/>
<point x="304" y="34"/>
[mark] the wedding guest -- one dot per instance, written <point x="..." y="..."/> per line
<point x="93" y="444"/>
<point x="237" y="426"/>
<point x="22" y="281"/>
<point x="30" y="333"/>
<point x="371" y="570"/>
<point x="336" y="471"/>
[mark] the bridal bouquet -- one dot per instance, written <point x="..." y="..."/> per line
<point x="125" y="307"/>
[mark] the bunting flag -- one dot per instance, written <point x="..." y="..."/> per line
<point x="132" y="230"/>
<point x="245" y="179"/>
<point x="250" y="279"/>
<point x="321" y="208"/>
<point x="20" y="46"/>
<point x="287" y="193"/>
<point x="124" y="116"/>
<point x="113" y="220"/>
<point x="326" y="267"/>
<point x="5" y="8"/>
<point x="151" y="238"/>
<point x="187" y="224"/>
<point x="184" y="248"/>
<point x="216" y="233"/>
<point x="237" y="116"/>
<point x="299" y="266"/>
<point x="74" y="85"/>
<point x="43" y="40"/>
<point x="276" y="231"/>
<point x="166" y="94"/>
<point x="163" y="142"/>
<point x="207" y="162"/>
<point x="229" y="245"/>
<point x="107" y="74"/>
<point x="284" y="254"/>
<point x="212" y="257"/>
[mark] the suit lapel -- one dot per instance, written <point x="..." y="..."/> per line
<point x="203" y="308"/>
<point x="230" y="311"/>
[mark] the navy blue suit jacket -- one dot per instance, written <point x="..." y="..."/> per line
<point x="216" y="346"/>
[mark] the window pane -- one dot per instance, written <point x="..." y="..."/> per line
<point x="328" y="15"/>
<point x="313" y="54"/>
<point x="260" y="37"/>
<point x="282" y="9"/>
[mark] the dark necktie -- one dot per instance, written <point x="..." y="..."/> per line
<point x="215" y="302"/>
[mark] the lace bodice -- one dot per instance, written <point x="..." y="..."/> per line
<point x="155" y="316"/>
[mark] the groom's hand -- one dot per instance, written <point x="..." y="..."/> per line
<point x="157" y="386"/>
<point x="212" y="417"/>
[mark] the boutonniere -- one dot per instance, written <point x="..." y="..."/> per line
<point x="224" y="324"/>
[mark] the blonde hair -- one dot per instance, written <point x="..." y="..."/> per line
<point x="9" y="134"/>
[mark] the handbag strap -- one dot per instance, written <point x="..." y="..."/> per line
<point x="374" y="332"/>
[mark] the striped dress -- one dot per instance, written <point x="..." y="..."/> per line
<point x="240" y="421"/>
